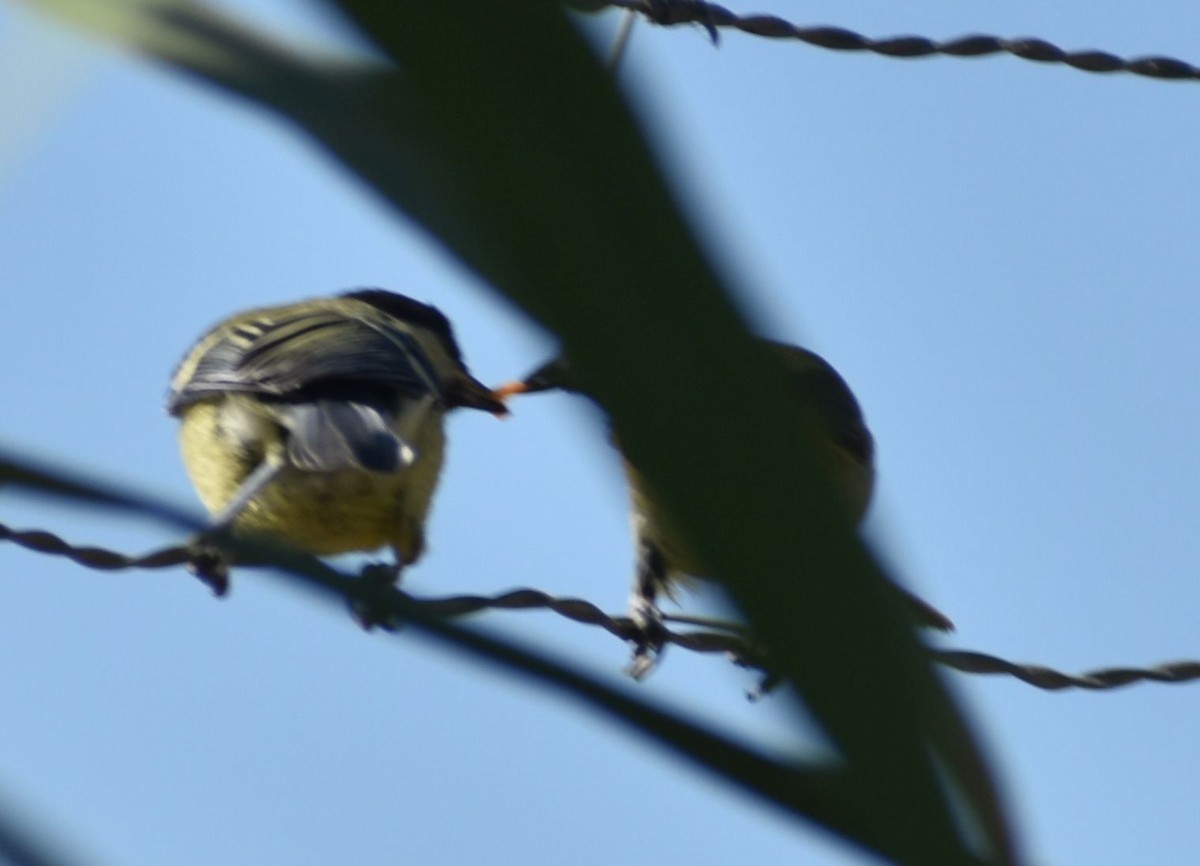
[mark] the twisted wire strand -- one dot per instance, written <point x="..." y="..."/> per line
<point x="1049" y="679"/>
<point x="40" y="541"/>
<point x="732" y="643"/>
<point x="712" y="16"/>
<point x="575" y="609"/>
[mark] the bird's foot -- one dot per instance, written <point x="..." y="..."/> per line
<point x="667" y="12"/>
<point x="387" y="573"/>
<point x="753" y="657"/>
<point x="767" y="683"/>
<point x="649" y="640"/>
<point x="370" y="607"/>
<point x="210" y="560"/>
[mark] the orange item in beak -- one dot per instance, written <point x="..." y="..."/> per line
<point x="508" y="389"/>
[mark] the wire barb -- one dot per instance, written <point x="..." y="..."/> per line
<point x="711" y="16"/>
<point x="717" y="636"/>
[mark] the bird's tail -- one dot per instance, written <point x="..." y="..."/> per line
<point x="328" y="435"/>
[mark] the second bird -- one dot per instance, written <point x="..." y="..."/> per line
<point x="664" y="560"/>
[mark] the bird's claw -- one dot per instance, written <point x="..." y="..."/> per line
<point x="666" y="12"/>
<point x="369" y="606"/>
<point x="210" y="561"/>
<point x="768" y="678"/>
<point x="649" y="639"/>
<point x="767" y="683"/>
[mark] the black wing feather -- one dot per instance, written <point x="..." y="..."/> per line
<point x="284" y="356"/>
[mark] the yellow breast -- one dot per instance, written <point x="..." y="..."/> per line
<point x="323" y="513"/>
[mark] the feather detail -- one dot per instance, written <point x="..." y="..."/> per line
<point x="328" y="435"/>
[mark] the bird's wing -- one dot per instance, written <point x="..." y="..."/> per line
<point x="290" y="354"/>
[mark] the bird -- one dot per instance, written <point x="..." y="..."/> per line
<point x="664" y="563"/>
<point x="321" y="423"/>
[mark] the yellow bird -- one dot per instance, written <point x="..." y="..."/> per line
<point x="321" y="423"/>
<point x="664" y="561"/>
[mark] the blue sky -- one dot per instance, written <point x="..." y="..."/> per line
<point x="1000" y="256"/>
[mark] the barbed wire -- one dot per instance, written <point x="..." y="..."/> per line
<point x="40" y="541"/>
<point x="712" y="16"/>
<point x="731" y="642"/>
<point x="1049" y="679"/>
